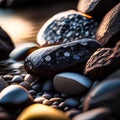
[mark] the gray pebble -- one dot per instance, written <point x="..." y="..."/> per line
<point x="71" y="83"/>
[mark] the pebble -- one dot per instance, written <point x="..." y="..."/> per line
<point x="23" y="50"/>
<point x="108" y="32"/>
<point x="103" y="62"/>
<point x="105" y="94"/>
<point x="6" y="44"/>
<point x="43" y="112"/>
<point x="17" y="79"/>
<point x="26" y="85"/>
<point x="71" y="102"/>
<point x="48" y="86"/>
<point x="15" y="96"/>
<point x="94" y="114"/>
<point x="71" y="83"/>
<point x="36" y="63"/>
<point x="97" y="9"/>
<point x="65" y="27"/>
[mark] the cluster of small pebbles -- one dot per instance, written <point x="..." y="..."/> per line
<point x="64" y="76"/>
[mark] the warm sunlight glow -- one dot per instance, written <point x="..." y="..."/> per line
<point x="19" y="28"/>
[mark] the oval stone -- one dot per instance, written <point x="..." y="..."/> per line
<point x="65" y="27"/>
<point x="41" y="112"/>
<point x="48" y="61"/>
<point x="15" y="96"/>
<point x="103" y="62"/>
<point x="108" y="32"/>
<point x="6" y="44"/>
<point x="96" y="8"/>
<point x="105" y="94"/>
<point x="23" y="50"/>
<point x="95" y="114"/>
<point x="71" y="83"/>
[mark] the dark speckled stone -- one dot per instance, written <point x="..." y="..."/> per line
<point x="48" y="61"/>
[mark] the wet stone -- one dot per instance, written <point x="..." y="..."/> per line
<point x="43" y="112"/>
<point x="23" y="50"/>
<point x="71" y="83"/>
<point x="36" y="64"/>
<point x="15" y="96"/>
<point x="66" y="27"/>
<point x="105" y="94"/>
<point x="6" y="44"/>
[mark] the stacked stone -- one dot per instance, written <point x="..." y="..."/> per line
<point x="74" y="77"/>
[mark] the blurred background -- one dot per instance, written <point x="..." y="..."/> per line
<point x="22" y="19"/>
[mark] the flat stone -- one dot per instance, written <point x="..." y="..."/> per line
<point x="71" y="83"/>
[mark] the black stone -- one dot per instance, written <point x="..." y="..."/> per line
<point x="6" y="45"/>
<point x="48" y="61"/>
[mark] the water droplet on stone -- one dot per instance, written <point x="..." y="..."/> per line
<point x="66" y="54"/>
<point x="76" y="57"/>
<point x="48" y="58"/>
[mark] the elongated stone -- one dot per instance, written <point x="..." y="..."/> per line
<point x="96" y="8"/>
<point x="108" y="32"/>
<point x="6" y="44"/>
<point x="48" y="61"/>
